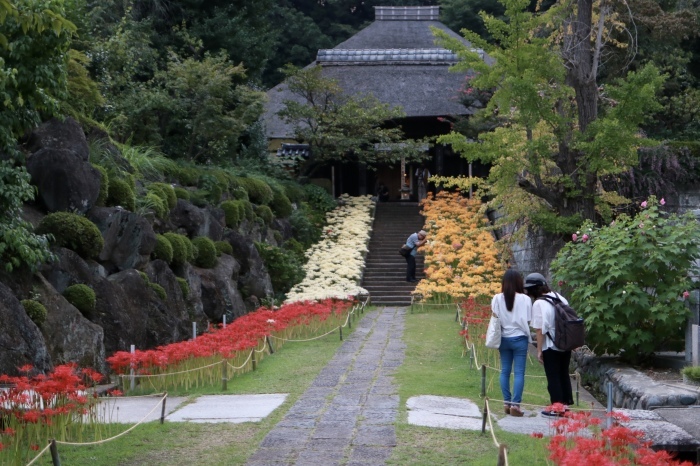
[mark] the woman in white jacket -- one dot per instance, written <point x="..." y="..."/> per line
<point x="514" y="310"/>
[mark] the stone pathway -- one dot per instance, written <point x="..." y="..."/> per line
<point x="347" y="415"/>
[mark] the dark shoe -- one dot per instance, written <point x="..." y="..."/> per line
<point x="552" y="414"/>
<point x="515" y="411"/>
<point x="506" y="408"/>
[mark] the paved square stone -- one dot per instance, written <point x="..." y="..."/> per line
<point x="339" y="431"/>
<point x="286" y="437"/>
<point x="384" y="436"/>
<point x="379" y="417"/>
<point x="383" y="401"/>
<point x="362" y="455"/>
<point x="228" y="408"/>
<point x="264" y="455"/>
<point x="329" y="444"/>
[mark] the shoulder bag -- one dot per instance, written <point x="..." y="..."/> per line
<point x="493" y="333"/>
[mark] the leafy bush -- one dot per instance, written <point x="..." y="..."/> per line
<point x="306" y="226"/>
<point x="239" y="193"/>
<point x="296" y="247"/>
<point x="248" y="210"/>
<point x="199" y="198"/>
<point x="74" y="232"/>
<point x="82" y="297"/>
<point x="206" y="252"/>
<point x="265" y="213"/>
<point x="121" y="194"/>
<point x="284" y="267"/>
<point x="629" y="280"/>
<point x="318" y="198"/>
<point x="281" y="205"/>
<point x="35" y="310"/>
<point x="104" y="186"/>
<point x="233" y="212"/>
<point x="191" y="249"/>
<point x="223" y="247"/>
<point x="152" y="202"/>
<point x="180" y="248"/>
<point x="165" y="192"/>
<point x="692" y="372"/>
<point x="294" y="191"/>
<point x="163" y="249"/>
<point x="149" y="162"/>
<point x="259" y="192"/>
<point x="184" y="286"/>
<point x="182" y="193"/>
<point x="188" y="175"/>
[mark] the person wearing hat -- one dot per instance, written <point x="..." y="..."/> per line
<point x="555" y="361"/>
<point x="414" y="242"/>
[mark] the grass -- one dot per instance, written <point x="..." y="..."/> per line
<point x="434" y="365"/>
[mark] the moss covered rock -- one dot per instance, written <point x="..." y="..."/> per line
<point x="74" y="232"/>
<point x="184" y="286"/>
<point x="35" y="310"/>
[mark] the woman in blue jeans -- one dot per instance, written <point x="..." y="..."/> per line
<point x="514" y="310"/>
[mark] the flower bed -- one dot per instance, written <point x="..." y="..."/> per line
<point x="335" y="263"/>
<point x="461" y="259"/>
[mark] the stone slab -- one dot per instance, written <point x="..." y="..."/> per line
<point x="444" y="412"/>
<point x="229" y="408"/>
<point x="131" y="410"/>
<point x="687" y="418"/>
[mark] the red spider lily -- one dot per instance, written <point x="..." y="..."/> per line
<point x="27" y="368"/>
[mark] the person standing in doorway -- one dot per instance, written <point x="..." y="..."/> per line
<point x="514" y="311"/>
<point x="555" y="361"/>
<point x="414" y="242"/>
<point x="422" y="176"/>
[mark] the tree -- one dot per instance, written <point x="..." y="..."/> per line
<point x="563" y="130"/>
<point x="342" y="128"/>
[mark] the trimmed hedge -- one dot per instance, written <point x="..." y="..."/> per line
<point x="206" y="252"/>
<point x="182" y="193"/>
<point x="160" y="291"/>
<point x="259" y="192"/>
<point x="265" y="213"/>
<point x="104" y="186"/>
<point x="223" y="247"/>
<point x="35" y="310"/>
<point x="281" y="205"/>
<point x="165" y="192"/>
<point x="233" y="212"/>
<point x="294" y="192"/>
<point x="82" y="297"/>
<point x="157" y="204"/>
<point x="180" y="249"/>
<point x="184" y="286"/>
<point x="74" y="232"/>
<point x="163" y="249"/>
<point x="121" y="193"/>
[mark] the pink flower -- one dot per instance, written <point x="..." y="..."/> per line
<point x="641" y="225"/>
<point x="686" y="295"/>
<point x="644" y="205"/>
<point x="574" y="237"/>
<point x="585" y="238"/>
<point x="457" y="246"/>
<point x="662" y="201"/>
<point x="561" y="283"/>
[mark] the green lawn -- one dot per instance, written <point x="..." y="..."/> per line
<point x="435" y="364"/>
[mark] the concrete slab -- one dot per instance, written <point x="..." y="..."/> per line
<point x="444" y="412"/>
<point x="229" y="408"/>
<point x="209" y="408"/>
<point x="687" y="418"/>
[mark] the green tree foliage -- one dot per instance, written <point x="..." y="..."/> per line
<point x="563" y="131"/>
<point x="629" y="280"/>
<point x="284" y="267"/>
<point x="339" y="127"/>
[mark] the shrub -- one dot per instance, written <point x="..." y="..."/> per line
<point x="182" y="193"/>
<point x="153" y="202"/>
<point x="224" y="247"/>
<point x="74" y="232"/>
<point x="306" y="228"/>
<point x="248" y="210"/>
<point x="206" y="252"/>
<point x="259" y="192"/>
<point x="191" y="249"/>
<point x="35" y="310"/>
<point x="184" y="286"/>
<point x="179" y="245"/>
<point x="160" y="291"/>
<point x="233" y="212"/>
<point x="283" y="266"/>
<point x="163" y="249"/>
<point x="692" y="372"/>
<point x="294" y="191"/>
<point x="239" y="193"/>
<point x="629" y="280"/>
<point x="165" y="192"/>
<point x="281" y="205"/>
<point x="82" y="297"/>
<point x="199" y="198"/>
<point x="296" y="247"/>
<point x="121" y="194"/>
<point x="265" y="213"/>
<point x="188" y="175"/>
<point x="104" y="186"/>
<point x="318" y="198"/>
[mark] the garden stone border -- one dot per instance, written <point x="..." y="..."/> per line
<point x="631" y="388"/>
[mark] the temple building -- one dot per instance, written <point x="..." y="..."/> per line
<point x="395" y="59"/>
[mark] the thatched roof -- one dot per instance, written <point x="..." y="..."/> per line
<point x="395" y="60"/>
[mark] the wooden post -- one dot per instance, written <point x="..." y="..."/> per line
<point x="486" y="413"/>
<point x="269" y="344"/>
<point x="578" y="386"/>
<point x="341" y="333"/>
<point x="162" y="408"/>
<point x="224" y="375"/>
<point x="54" y="453"/>
<point x="133" y="379"/>
<point x="483" y="380"/>
<point x="501" y="454"/>
<point x="255" y="363"/>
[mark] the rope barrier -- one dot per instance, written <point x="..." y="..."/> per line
<point x="39" y="455"/>
<point x="500" y="446"/>
<point x="245" y="363"/>
<point x="139" y="376"/>
<point x="99" y="442"/>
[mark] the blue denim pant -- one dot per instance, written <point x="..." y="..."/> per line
<point x="513" y="357"/>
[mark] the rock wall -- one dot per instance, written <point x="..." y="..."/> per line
<point x="131" y="307"/>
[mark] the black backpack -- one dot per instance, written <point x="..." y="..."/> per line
<point x="569" y="330"/>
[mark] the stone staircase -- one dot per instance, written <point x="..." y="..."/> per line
<point x="385" y="270"/>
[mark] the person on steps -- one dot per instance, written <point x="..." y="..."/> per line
<point x="555" y="361"/>
<point x="414" y="242"/>
<point x="514" y="311"/>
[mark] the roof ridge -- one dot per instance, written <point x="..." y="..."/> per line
<point x="407" y="13"/>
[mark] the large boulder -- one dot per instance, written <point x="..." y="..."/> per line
<point x="129" y="238"/>
<point x="253" y="280"/>
<point x="195" y="221"/>
<point x="159" y="272"/>
<point x="128" y="309"/>
<point x="69" y="336"/>
<point x="107" y="153"/>
<point x="65" y="182"/>
<point x="219" y="290"/>
<point x="60" y="134"/>
<point x="20" y="339"/>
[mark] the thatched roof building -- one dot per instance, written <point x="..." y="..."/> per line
<point x="395" y="59"/>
